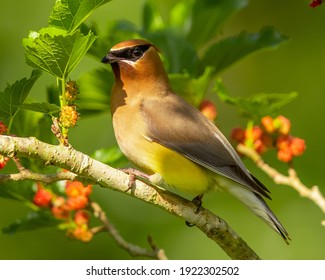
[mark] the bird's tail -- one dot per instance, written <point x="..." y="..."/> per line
<point x="257" y="205"/>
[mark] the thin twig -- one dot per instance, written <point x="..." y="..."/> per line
<point x="292" y="180"/>
<point x="26" y="174"/>
<point x="134" y="250"/>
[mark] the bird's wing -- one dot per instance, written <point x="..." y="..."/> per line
<point x="175" y="124"/>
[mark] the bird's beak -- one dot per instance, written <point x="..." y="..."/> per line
<point x="110" y="58"/>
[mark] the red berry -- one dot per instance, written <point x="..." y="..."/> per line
<point x="3" y="161"/>
<point x="297" y="146"/>
<point x="267" y="123"/>
<point x="3" y="128"/>
<point x="208" y="109"/>
<point x="42" y="197"/>
<point x="267" y="140"/>
<point x="238" y="134"/>
<point x="315" y="3"/>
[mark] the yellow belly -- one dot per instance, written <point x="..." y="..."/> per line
<point x="176" y="170"/>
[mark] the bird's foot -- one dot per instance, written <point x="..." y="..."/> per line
<point x="198" y="203"/>
<point x="133" y="174"/>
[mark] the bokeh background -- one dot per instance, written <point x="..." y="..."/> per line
<point x="298" y="65"/>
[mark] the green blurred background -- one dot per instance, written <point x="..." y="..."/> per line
<point x="298" y="65"/>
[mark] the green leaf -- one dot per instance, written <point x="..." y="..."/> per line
<point x="15" y="94"/>
<point x="179" y="54"/>
<point x="208" y="16"/>
<point x="69" y="14"/>
<point x="191" y="89"/>
<point x="116" y="31"/>
<point x="33" y="221"/>
<point x="256" y="106"/>
<point x="228" y="51"/>
<point x="44" y="107"/>
<point x="112" y="156"/>
<point x="55" y="52"/>
<point x="95" y="88"/>
<point x="21" y="191"/>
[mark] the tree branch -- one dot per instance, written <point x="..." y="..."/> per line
<point x="68" y="158"/>
<point x="292" y="180"/>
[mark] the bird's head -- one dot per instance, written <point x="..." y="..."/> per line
<point x="136" y="60"/>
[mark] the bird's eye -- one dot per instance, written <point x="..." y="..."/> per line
<point x="137" y="52"/>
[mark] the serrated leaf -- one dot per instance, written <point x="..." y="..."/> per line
<point x="69" y="14"/>
<point x="56" y="54"/>
<point x="95" y="88"/>
<point x="208" y="16"/>
<point x="15" y="94"/>
<point x="112" y="156"/>
<point x="44" y="107"/>
<point x="33" y="221"/>
<point x="228" y="51"/>
<point x="258" y="105"/>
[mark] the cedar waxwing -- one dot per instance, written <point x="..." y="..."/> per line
<point x="171" y="140"/>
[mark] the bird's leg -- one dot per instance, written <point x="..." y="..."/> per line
<point x="133" y="174"/>
<point x="198" y="203"/>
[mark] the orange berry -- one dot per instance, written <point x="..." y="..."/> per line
<point x="259" y="146"/>
<point x="209" y="109"/>
<point x="267" y="123"/>
<point x="254" y="133"/>
<point x="42" y="197"/>
<point x="75" y="188"/>
<point x="297" y="146"/>
<point x="60" y="209"/>
<point x="81" y="217"/>
<point x="72" y="188"/>
<point x="77" y="202"/>
<point x="238" y="134"/>
<point x="283" y="142"/>
<point x="285" y="155"/>
<point x="282" y="124"/>
<point x="81" y="233"/>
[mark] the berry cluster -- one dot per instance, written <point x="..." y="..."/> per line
<point x="69" y="115"/>
<point x="70" y="208"/>
<point x="3" y="159"/>
<point x="271" y="133"/>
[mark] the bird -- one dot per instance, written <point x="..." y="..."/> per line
<point x="171" y="140"/>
